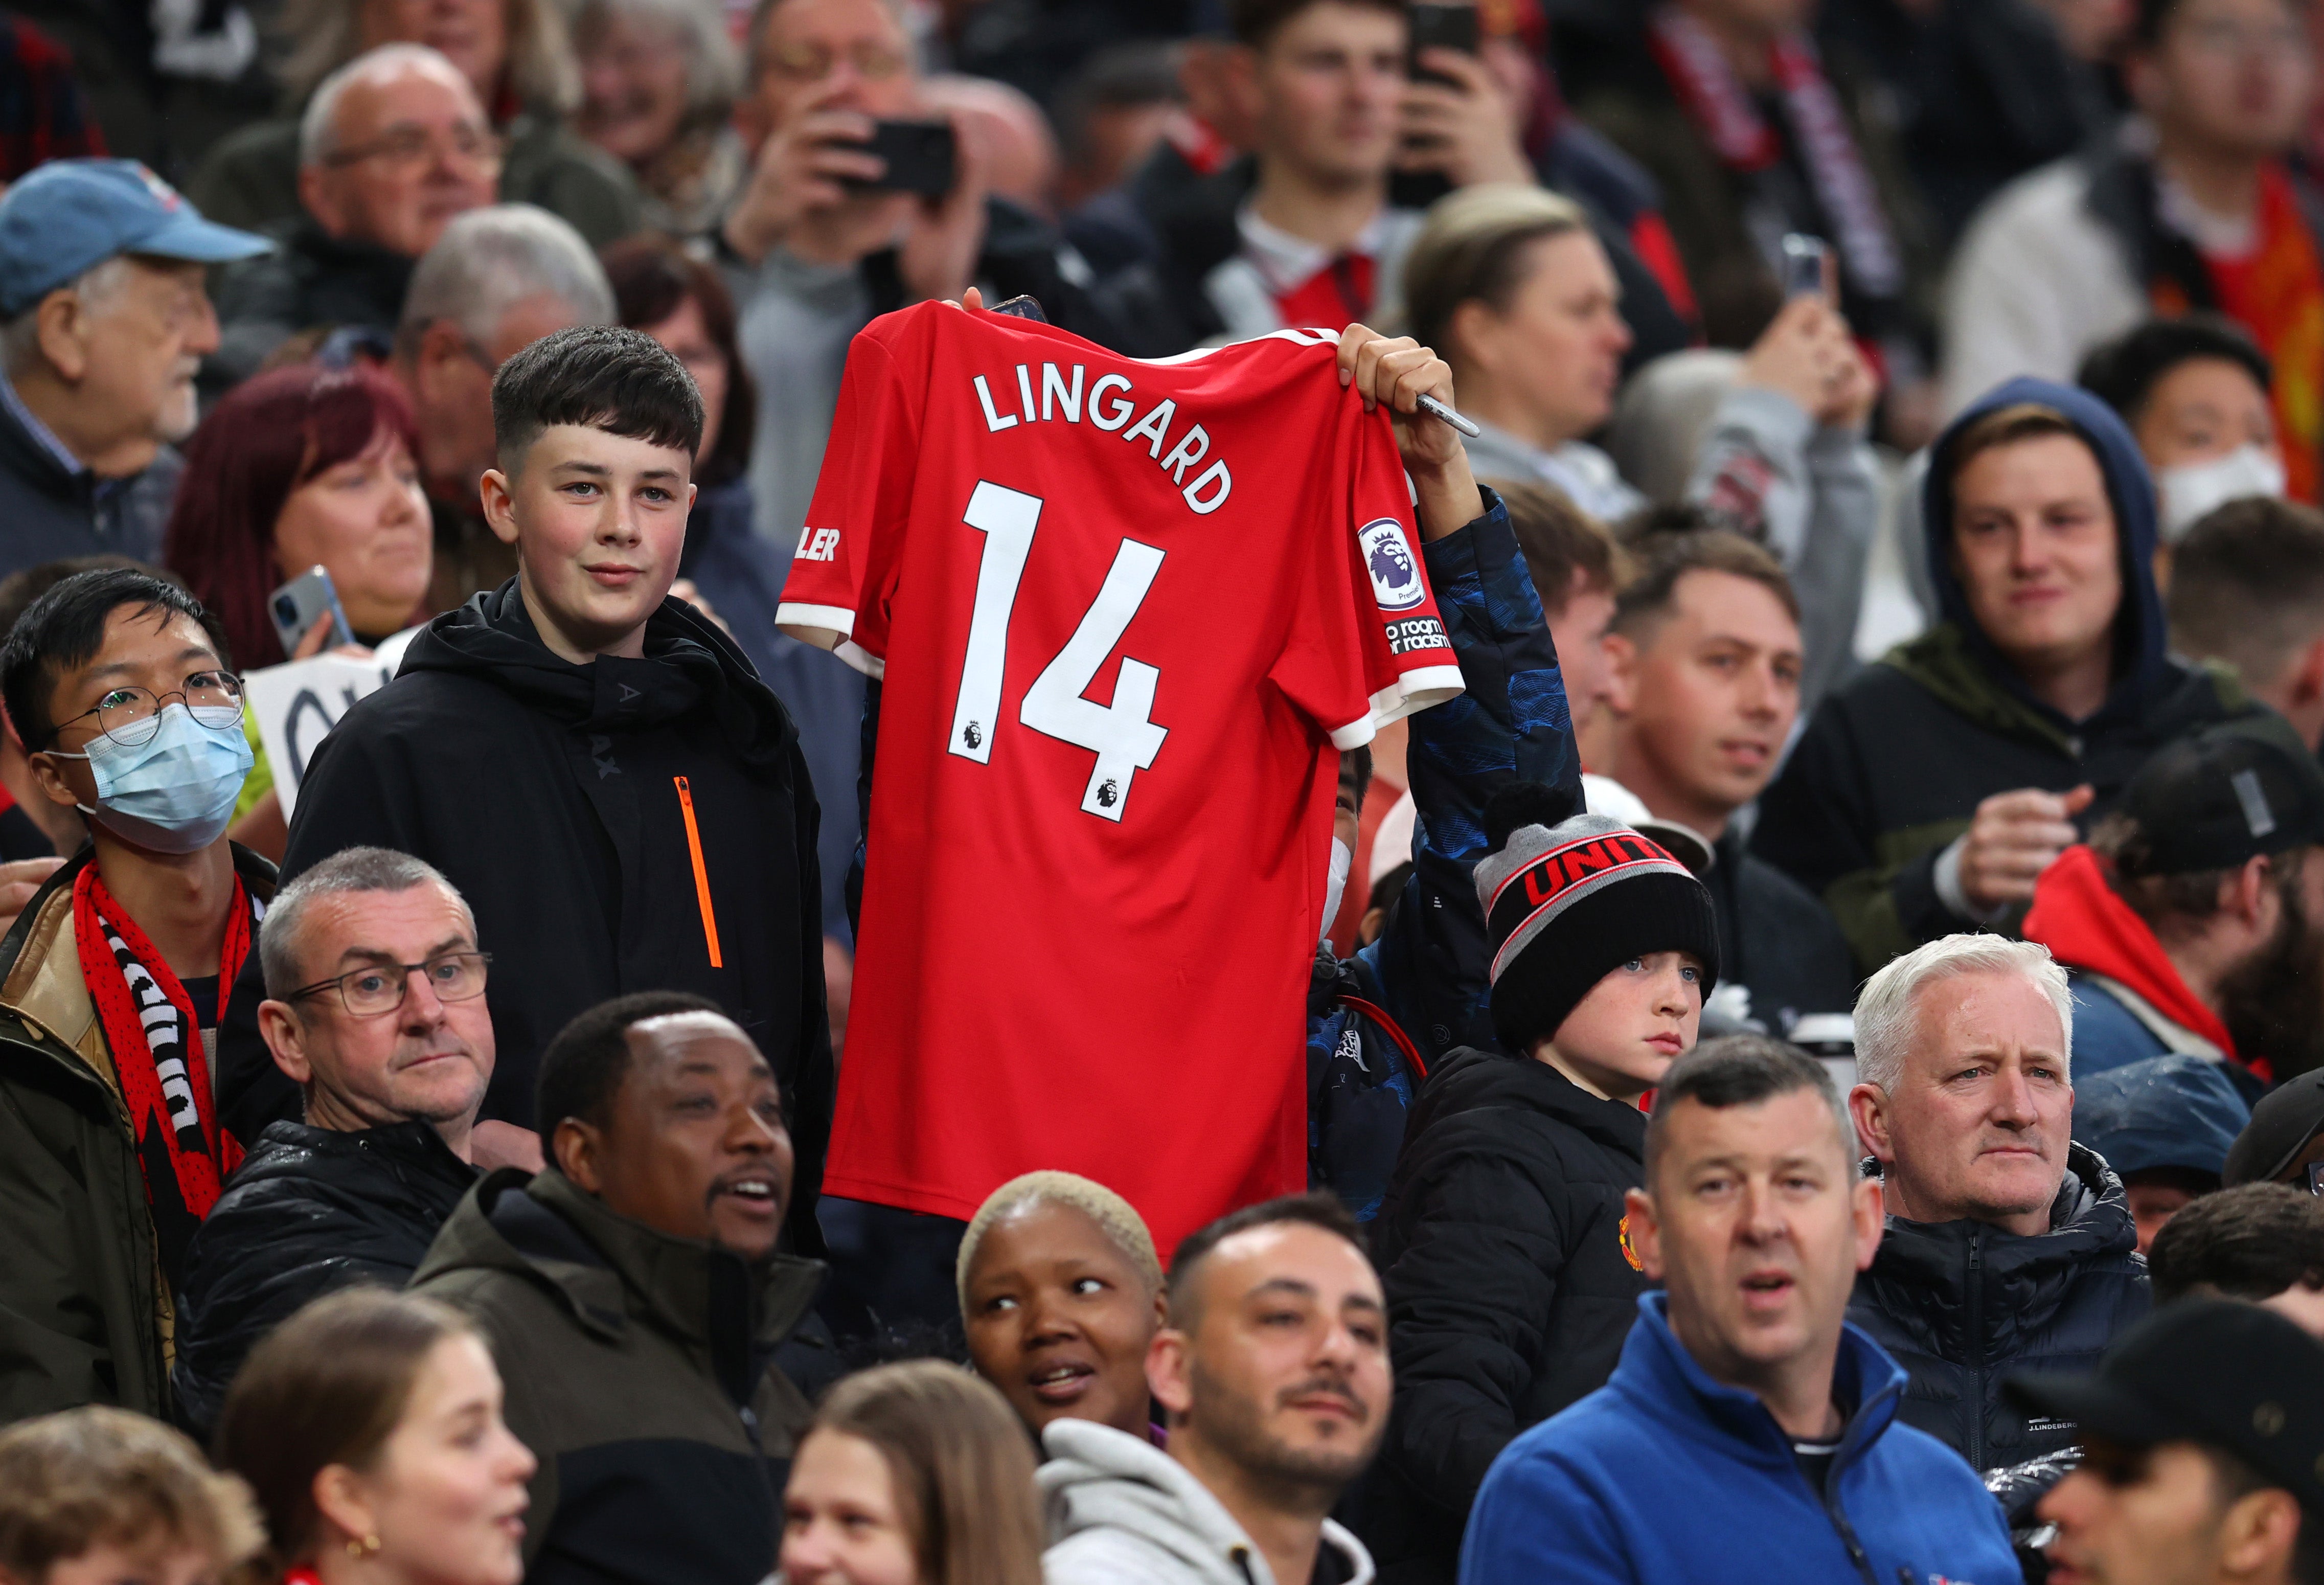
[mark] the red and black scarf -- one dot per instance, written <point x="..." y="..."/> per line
<point x="157" y="1051"/>
<point x="1721" y="110"/>
<point x="2276" y="291"/>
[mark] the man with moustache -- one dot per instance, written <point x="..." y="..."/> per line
<point x="1750" y="1435"/>
<point x="103" y="321"/>
<point x="634" y="1299"/>
<point x="2008" y="1246"/>
<point x="2189" y="922"/>
<point x="1273" y="1374"/>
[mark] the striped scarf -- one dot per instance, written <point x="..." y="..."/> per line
<point x="157" y="1052"/>
<point x="1723" y="112"/>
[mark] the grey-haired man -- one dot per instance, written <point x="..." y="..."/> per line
<point x="375" y="1009"/>
<point x="103" y="321"/>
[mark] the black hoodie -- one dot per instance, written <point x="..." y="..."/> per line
<point x="556" y="797"/>
<point x="1893" y="767"/>
<point x="1510" y="1285"/>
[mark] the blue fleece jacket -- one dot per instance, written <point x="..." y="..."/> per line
<point x="1663" y="1477"/>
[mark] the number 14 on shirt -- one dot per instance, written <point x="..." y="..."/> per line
<point x="1123" y="734"/>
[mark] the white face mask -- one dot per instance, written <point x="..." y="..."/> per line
<point x="1342" y="861"/>
<point x="2188" y="493"/>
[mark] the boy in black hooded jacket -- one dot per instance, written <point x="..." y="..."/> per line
<point x="1503" y="1245"/>
<point x="595" y="766"/>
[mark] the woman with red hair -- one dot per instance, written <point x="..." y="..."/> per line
<point x="299" y="467"/>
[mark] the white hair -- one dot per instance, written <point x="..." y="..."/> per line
<point x="318" y="137"/>
<point x="490" y="260"/>
<point x="1886" y="1018"/>
<point x="713" y="66"/>
<point x="97" y="287"/>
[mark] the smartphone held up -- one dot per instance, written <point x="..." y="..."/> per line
<point x="1439" y="26"/>
<point x="922" y="158"/>
<point x="1807" y="266"/>
<point x="306" y="600"/>
<point x="1432" y="24"/>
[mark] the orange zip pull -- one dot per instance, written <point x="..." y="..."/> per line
<point x="701" y="875"/>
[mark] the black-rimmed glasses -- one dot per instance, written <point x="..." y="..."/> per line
<point x="379" y="989"/>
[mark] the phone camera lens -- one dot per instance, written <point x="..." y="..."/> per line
<point x="286" y="610"/>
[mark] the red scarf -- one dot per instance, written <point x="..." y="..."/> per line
<point x="1198" y="143"/>
<point x="2277" y="293"/>
<point x="2086" y="925"/>
<point x="1336" y="295"/>
<point x="157" y="1051"/>
<point x="1716" y="101"/>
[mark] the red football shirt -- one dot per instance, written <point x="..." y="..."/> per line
<point x="1126" y="612"/>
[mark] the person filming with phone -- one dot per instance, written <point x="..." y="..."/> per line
<point x="1359" y="121"/>
<point x="860" y="201"/>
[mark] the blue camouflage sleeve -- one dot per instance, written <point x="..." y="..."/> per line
<point x="1511" y="725"/>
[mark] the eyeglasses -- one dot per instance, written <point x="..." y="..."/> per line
<point x="2219" y="36"/>
<point x="2316" y="1177"/>
<point x="409" y="147"/>
<point x="131" y="716"/>
<point x="380" y="988"/>
<point x="811" y="63"/>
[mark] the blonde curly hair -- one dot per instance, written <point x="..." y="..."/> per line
<point x="1115" y="1216"/>
<point x="84" y="1476"/>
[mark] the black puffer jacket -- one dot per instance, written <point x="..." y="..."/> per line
<point x="573" y="807"/>
<point x="1510" y="1285"/>
<point x="309" y="1210"/>
<point x="1961" y="1304"/>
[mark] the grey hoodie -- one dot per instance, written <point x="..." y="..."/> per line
<point x="1121" y="1511"/>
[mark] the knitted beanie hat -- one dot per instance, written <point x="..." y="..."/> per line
<point x="1567" y="903"/>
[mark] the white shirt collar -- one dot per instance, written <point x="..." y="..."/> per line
<point x="1287" y="261"/>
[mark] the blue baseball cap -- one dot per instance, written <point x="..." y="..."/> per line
<point x="70" y="215"/>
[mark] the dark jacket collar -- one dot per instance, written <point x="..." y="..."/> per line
<point x="607" y="1270"/>
<point x="688" y="666"/>
<point x="1658" y="1374"/>
<point x="33" y="464"/>
<point x="1469" y="1080"/>
<point x="2023" y="1278"/>
<point x="399" y="1148"/>
<point x="1199" y="222"/>
<point x="353" y="269"/>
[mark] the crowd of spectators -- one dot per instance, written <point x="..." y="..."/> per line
<point x="1813" y="1062"/>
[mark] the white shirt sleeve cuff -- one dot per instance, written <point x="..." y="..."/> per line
<point x="1949" y="887"/>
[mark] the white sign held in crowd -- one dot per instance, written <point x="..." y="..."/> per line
<point x="297" y="703"/>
